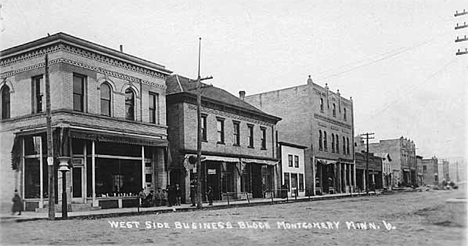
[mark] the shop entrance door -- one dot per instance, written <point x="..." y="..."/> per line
<point x="77" y="184"/>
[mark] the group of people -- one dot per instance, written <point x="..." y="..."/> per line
<point x="193" y="193"/>
<point x="171" y="196"/>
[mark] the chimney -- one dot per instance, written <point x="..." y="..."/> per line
<point x="242" y="95"/>
<point x="121" y="48"/>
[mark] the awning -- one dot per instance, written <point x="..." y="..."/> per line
<point x="118" y="138"/>
<point x="326" y="162"/>
<point x="259" y="161"/>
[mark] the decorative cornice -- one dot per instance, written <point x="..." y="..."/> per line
<point x="85" y="66"/>
<point x="83" y="53"/>
<point x="320" y="117"/>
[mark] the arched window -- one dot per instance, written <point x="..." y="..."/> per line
<point x="320" y="140"/>
<point x="347" y="146"/>
<point x="325" y="140"/>
<point x="337" y="144"/>
<point x="106" y="99"/>
<point x="129" y="104"/>
<point x="334" y="110"/>
<point x="344" y="114"/>
<point x="333" y="142"/>
<point x="5" y="102"/>
<point x="321" y="104"/>
<point x="344" y="146"/>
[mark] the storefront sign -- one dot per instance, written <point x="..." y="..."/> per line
<point x="211" y="171"/>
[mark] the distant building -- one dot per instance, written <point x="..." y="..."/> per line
<point x="387" y="170"/>
<point x="322" y="120"/>
<point x="419" y="170"/>
<point x="292" y="168"/>
<point x="444" y="173"/>
<point x="403" y="153"/>
<point x="238" y="142"/>
<point x="430" y="171"/>
<point x="374" y="179"/>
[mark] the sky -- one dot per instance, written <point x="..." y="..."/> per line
<point x="396" y="58"/>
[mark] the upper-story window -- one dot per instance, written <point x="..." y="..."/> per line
<point x="321" y="104"/>
<point x="105" y="99"/>
<point x="296" y="161"/>
<point x="333" y="142"/>
<point x="236" y="132"/>
<point x="154" y="108"/>
<point x="203" y="127"/>
<point x="129" y="104"/>
<point x="320" y="140"/>
<point x="347" y="146"/>
<point x="220" y="129"/>
<point x="251" y="135"/>
<point x="325" y="141"/>
<point x="263" y="139"/>
<point x="290" y="160"/>
<point x="334" y="110"/>
<point x="37" y="94"/>
<point x="344" y="114"/>
<point x="337" y="144"/>
<point x="79" y="92"/>
<point x="344" y="146"/>
<point x="5" y="102"/>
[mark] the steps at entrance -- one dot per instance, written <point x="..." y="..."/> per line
<point x="74" y="207"/>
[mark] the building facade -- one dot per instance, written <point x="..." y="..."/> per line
<point x="106" y="115"/>
<point x="292" y="168"/>
<point x="322" y="120"/>
<point x="419" y="170"/>
<point x="430" y="170"/>
<point x="387" y="170"/>
<point x="371" y="164"/>
<point x="444" y="174"/>
<point x="403" y="153"/>
<point x="238" y="142"/>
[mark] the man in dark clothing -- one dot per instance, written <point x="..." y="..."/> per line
<point x="17" y="204"/>
<point x="193" y="191"/>
<point x="210" y="195"/>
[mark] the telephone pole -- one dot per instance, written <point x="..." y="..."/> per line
<point x="199" y="131"/>
<point x="367" y="158"/>
<point x="464" y="38"/>
<point x="50" y="150"/>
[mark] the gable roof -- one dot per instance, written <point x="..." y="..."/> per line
<point x="177" y="84"/>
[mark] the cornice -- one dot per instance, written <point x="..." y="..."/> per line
<point x="85" y="66"/>
<point x="73" y="49"/>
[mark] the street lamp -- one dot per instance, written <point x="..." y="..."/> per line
<point x="63" y="167"/>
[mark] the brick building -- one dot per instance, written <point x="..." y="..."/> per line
<point x="430" y="170"/>
<point x="444" y="174"/>
<point x="375" y="179"/>
<point x="107" y="115"/>
<point x="239" y="142"/>
<point x="387" y="170"/>
<point x="403" y="153"/>
<point x="322" y="120"/>
<point x="419" y="170"/>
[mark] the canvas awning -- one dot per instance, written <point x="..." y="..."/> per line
<point x="118" y="138"/>
<point x="326" y="162"/>
<point x="259" y="161"/>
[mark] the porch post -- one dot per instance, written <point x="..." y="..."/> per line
<point x="314" y="171"/>
<point x="93" y="172"/>
<point x="41" y="173"/>
<point x="345" y="166"/>
<point x="143" y="176"/>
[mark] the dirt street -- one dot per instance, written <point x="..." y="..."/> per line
<point x="411" y="218"/>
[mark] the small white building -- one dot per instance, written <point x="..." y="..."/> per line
<point x="292" y="168"/>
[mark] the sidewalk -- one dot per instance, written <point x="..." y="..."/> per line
<point x="104" y="213"/>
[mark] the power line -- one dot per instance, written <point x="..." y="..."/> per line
<point x="414" y="88"/>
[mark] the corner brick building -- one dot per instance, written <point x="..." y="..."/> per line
<point x="322" y="120"/>
<point x="238" y="145"/>
<point x="108" y="115"/>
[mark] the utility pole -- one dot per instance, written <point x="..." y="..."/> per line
<point x="50" y="152"/>
<point x="464" y="38"/>
<point x="199" y="131"/>
<point x="367" y="158"/>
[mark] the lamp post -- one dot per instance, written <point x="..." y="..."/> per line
<point x="63" y="167"/>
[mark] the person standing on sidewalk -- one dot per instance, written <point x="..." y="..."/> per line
<point x="193" y="191"/>
<point x="17" y="204"/>
<point x="178" y="193"/>
<point x="209" y="194"/>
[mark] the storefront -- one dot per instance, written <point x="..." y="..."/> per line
<point x="106" y="169"/>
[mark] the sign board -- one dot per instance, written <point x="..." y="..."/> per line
<point x="211" y="171"/>
<point x="50" y="161"/>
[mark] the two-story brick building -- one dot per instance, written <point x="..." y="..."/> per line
<point x="238" y="141"/>
<point x="108" y="115"/>
<point x="322" y="120"/>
